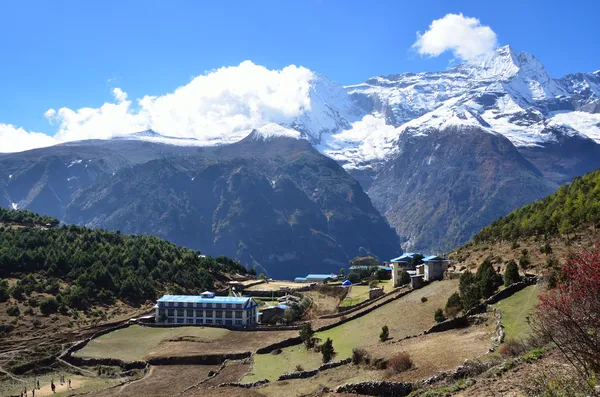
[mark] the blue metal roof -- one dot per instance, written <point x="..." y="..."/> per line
<point x="282" y="306"/>
<point x="300" y="279"/>
<point x="406" y="257"/>
<point x="323" y="276"/>
<point x="434" y="258"/>
<point x="347" y="283"/>
<point x="389" y="269"/>
<point x="200" y="299"/>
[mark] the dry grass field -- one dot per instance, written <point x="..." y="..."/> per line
<point x="137" y="342"/>
<point x="168" y="380"/>
<point x="275" y="286"/>
<point x="438" y="352"/>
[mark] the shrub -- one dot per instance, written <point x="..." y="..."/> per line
<point x="385" y="333"/>
<point x="360" y="356"/>
<point x="354" y="278"/>
<point x="4" y="294"/>
<point x="382" y="274"/>
<point x="564" y="314"/>
<point x="33" y="302"/>
<point x="13" y="310"/>
<point x="524" y="261"/>
<point x="423" y="299"/>
<point x="307" y="335"/>
<point x="400" y="363"/>
<point x="36" y="322"/>
<point x="403" y="277"/>
<point x="487" y="279"/>
<point x="512" y="348"/>
<point x="327" y="350"/>
<point x="17" y="292"/>
<point x="373" y="284"/>
<point x="546" y="248"/>
<point x="511" y="274"/>
<point x="439" y="316"/>
<point x="470" y="293"/>
<point x="453" y="305"/>
<point x="299" y="368"/>
<point x="49" y="306"/>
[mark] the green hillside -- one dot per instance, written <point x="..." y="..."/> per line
<point x="82" y="266"/>
<point x="572" y="207"/>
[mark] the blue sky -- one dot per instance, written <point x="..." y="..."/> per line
<point x="74" y="53"/>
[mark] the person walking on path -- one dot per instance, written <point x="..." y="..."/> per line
<point x="52" y="386"/>
<point x="38" y="384"/>
<point x="69" y="383"/>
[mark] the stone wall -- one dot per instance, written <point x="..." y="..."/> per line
<point x="313" y="372"/>
<point x="245" y="385"/>
<point x="280" y="345"/>
<point x="201" y="359"/>
<point x="113" y="362"/>
<point x="377" y="388"/>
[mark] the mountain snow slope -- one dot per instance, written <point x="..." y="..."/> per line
<point x="440" y="154"/>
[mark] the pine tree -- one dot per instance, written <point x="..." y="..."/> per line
<point x="327" y="350"/>
<point x="511" y="274"/>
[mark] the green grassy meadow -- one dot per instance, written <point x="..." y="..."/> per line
<point x="515" y="310"/>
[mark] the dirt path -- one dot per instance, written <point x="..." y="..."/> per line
<point x="46" y="389"/>
<point x="146" y="376"/>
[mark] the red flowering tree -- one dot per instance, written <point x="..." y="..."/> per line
<point x="569" y="315"/>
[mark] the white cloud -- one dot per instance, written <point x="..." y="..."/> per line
<point x="15" y="139"/>
<point x="49" y="113"/>
<point x="221" y="104"/>
<point x="464" y="36"/>
<point x="119" y="95"/>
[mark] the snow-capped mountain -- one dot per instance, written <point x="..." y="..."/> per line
<point x="440" y="154"/>
<point x="506" y="93"/>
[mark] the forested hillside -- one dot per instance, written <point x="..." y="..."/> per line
<point x="542" y="236"/>
<point x="82" y="267"/>
<point x="572" y="207"/>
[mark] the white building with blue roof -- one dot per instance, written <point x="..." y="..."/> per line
<point x="206" y="309"/>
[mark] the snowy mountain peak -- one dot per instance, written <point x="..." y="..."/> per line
<point x="505" y="64"/>
<point x="502" y="64"/>
<point x="273" y="130"/>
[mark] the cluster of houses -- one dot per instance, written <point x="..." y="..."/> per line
<point x="427" y="268"/>
<point x="209" y="309"/>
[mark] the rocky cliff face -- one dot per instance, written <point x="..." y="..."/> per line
<point x="271" y="202"/>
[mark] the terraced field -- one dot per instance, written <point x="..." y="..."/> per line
<point x="405" y="316"/>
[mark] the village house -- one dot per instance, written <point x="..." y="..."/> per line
<point x="206" y="308"/>
<point x="402" y="263"/>
<point x="434" y="267"/>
